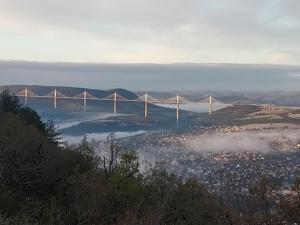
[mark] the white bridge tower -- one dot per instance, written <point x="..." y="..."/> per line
<point x="146" y="106"/>
<point x="115" y="103"/>
<point x="26" y="96"/>
<point x="210" y="105"/>
<point x="177" y="109"/>
<point x="84" y="101"/>
<point x="54" y="98"/>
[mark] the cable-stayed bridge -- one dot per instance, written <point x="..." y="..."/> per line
<point x="115" y="97"/>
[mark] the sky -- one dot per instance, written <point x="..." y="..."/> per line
<point x="151" y="31"/>
<point x="153" y="77"/>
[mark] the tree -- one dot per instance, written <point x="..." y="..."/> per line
<point x="290" y="204"/>
<point x="110" y="160"/>
<point x="31" y="117"/>
<point x="129" y="164"/>
<point x="263" y="196"/>
<point x="9" y="103"/>
<point x="37" y="175"/>
<point x="191" y="204"/>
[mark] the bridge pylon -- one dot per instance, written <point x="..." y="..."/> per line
<point x="115" y="103"/>
<point x="54" y="98"/>
<point x="26" y="96"/>
<point x="84" y="101"/>
<point x="146" y="106"/>
<point x="210" y="105"/>
<point x="177" y="109"/>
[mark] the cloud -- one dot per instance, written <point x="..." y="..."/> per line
<point x="152" y="77"/>
<point x="149" y="30"/>
<point x="294" y="75"/>
<point x="241" y="141"/>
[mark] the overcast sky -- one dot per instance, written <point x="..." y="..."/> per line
<point x="153" y="77"/>
<point x="151" y="31"/>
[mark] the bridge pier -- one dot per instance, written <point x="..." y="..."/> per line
<point x="54" y="99"/>
<point x="210" y="105"/>
<point x="146" y="106"/>
<point x="177" y="109"/>
<point x="84" y="101"/>
<point x="115" y="103"/>
<point x="26" y="96"/>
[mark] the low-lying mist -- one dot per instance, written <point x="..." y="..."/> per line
<point x="244" y="141"/>
<point x="98" y="137"/>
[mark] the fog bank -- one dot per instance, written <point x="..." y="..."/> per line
<point x="245" y="141"/>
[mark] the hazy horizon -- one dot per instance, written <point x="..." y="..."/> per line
<point x="153" y="77"/>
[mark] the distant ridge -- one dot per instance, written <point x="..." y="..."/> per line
<point x="65" y="107"/>
<point x="69" y="91"/>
